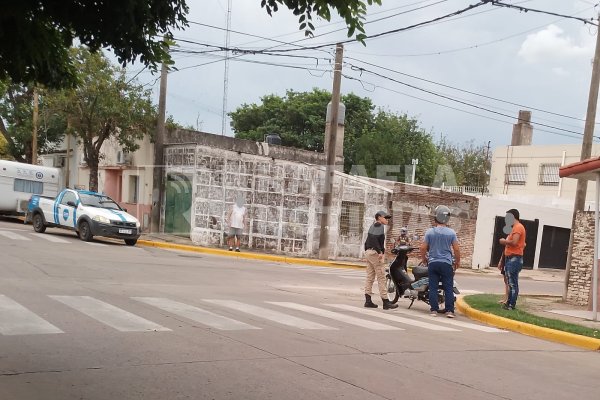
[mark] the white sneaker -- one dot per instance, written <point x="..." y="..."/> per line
<point x="433" y="313"/>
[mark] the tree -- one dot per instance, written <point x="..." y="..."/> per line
<point x="352" y="11"/>
<point x="390" y="145"/>
<point x="16" y="126"/>
<point x="36" y="35"/>
<point x="104" y="105"/>
<point x="299" y="118"/>
<point x="469" y="161"/>
<point x="4" y="152"/>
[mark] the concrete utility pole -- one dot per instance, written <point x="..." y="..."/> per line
<point x="68" y="158"/>
<point x="158" y="170"/>
<point x="586" y="152"/>
<point x="415" y="162"/>
<point x="330" y="167"/>
<point x="34" y="146"/>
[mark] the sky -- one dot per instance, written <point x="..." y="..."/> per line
<point x="526" y="60"/>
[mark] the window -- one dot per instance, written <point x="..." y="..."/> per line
<point x="516" y="174"/>
<point x="549" y="175"/>
<point x="25" y="186"/>
<point x="133" y="188"/>
<point x="351" y="219"/>
<point x="68" y="196"/>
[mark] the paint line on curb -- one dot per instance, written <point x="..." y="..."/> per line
<point x="250" y="256"/>
<point x="553" y="335"/>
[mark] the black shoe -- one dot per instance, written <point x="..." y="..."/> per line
<point x="237" y="250"/>
<point x="507" y="307"/>
<point x="369" y="303"/>
<point x="388" y="305"/>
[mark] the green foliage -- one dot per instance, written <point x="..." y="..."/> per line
<point x="35" y="35"/>
<point x="16" y="121"/>
<point x="105" y="105"/>
<point x="469" y="162"/>
<point x="4" y="151"/>
<point x="389" y="147"/>
<point x="352" y="11"/>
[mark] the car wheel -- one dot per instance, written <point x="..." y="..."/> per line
<point x="38" y="223"/>
<point x="85" y="232"/>
<point x="130" y="242"/>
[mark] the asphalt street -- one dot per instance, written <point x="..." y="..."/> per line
<point x="103" y="320"/>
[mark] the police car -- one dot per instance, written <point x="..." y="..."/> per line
<point x="87" y="213"/>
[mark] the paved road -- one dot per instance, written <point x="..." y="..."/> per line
<point x="107" y="321"/>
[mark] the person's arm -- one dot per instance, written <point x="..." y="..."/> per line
<point x="424" y="249"/>
<point x="501" y="262"/>
<point x="514" y="239"/>
<point x="381" y="240"/>
<point x="456" y="249"/>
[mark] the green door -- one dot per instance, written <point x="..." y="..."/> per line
<point x="178" y="205"/>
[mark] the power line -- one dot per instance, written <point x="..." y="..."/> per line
<point x="462" y="90"/>
<point x="527" y="9"/>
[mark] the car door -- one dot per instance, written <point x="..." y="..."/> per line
<point x="67" y="209"/>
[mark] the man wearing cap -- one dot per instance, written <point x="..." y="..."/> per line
<point x="374" y="254"/>
<point x="513" y="256"/>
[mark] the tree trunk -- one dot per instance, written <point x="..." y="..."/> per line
<point x="93" y="176"/>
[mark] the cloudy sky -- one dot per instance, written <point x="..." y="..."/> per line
<point x="533" y="60"/>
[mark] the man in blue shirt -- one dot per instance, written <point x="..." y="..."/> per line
<point x="436" y="251"/>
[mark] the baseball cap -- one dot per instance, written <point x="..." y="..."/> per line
<point x="383" y="214"/>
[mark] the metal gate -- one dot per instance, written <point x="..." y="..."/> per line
<point x="178" y="202"/>
<point x="554" y="248"/>
<point x="531" y="232"/>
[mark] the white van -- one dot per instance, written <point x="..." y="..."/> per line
<point x="18" y="181"/>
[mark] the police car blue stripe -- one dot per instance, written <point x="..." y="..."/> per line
<point x="121" y="216"/>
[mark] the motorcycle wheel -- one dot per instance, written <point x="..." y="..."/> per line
<point x="393" y="292"/>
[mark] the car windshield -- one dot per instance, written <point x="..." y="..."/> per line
<point x="98" y="200"/>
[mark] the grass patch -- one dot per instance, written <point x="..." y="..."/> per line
<point x="489" y="303"/>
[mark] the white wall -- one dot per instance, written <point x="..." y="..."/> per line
<point x="490" y="208"/>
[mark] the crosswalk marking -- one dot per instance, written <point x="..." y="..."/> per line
<point x="195" y="314"/>
<point x="18" y="320"/>
<point x="395" y="318"/>
<point x="95" y="244"/>
<point x="336" y="316"/>
<point x="454" y="322"/>
<point x="13" y="236"/>
<point x="51" y="238"/>
<point x="271" y="315"/>
<point x="108" y="314"/>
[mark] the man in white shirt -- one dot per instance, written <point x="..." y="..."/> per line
<point x="237" y="223"/>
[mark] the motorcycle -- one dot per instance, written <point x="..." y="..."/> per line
<point x="399" y="282"/>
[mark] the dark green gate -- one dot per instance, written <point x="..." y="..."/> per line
<point x="178" y="204"/>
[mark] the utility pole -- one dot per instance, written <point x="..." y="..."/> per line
<point x="226" y="76"/>
<point x="415" y="162"/>
<point x="67" y="160"/>
<point x="34" y="146"/>
<point x="485" y="168"/>
<point x="158" y="170"/>
<point x="586" y="152"/>
<point x="330" y="167"/>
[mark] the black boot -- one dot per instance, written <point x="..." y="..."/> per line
<point x="388" y="305"/>
<point x="369" y="303"/>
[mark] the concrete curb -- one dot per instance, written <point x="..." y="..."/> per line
<point x="553" y="335"/>
<point x="251" y="256"/>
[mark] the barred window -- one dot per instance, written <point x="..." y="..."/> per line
<point x="549" y="175"/>
<point x="26" y="186"/>
<point x="351" y="219"/>
<point x="516" y="174"/>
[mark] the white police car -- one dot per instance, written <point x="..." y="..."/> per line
<point x="87" y="213"/>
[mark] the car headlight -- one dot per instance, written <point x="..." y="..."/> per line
<point x="100" y="218"/>
<point x="137" y="224"/>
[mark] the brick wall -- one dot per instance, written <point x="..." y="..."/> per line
<point x="580" y="276"/>
<point x="413" y="207"/>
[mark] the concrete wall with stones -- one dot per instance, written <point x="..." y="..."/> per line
<point x="283" y="197"/>
<point x="580" y="276"/>
<point x="413" y="207"/>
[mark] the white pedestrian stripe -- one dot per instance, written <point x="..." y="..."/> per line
<point x="270" y="315"/>
<point x="13" y="236"/>
<point x="95" y="244"/>
<point x="108" y="314"/>
<point x="337" y="316"/>
<point x="18" y="320"/>
<point x="395" y="318"/>
<point x="448" y="321"/>
<point x="195" y="314"/>
<point x="51" y="238"/>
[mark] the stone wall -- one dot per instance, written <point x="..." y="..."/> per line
<point x="283" y="199"/>
<point x="580" y="276"/>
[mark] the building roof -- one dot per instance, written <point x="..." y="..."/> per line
<point x="586" y="169"/>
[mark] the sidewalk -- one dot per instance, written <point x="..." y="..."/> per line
<point x="544" y="306"/>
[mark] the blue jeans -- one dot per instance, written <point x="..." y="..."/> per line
<point x="512" y="267"/>
<point x="441" y="271"/>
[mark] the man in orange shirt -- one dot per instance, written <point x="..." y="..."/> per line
<point x="513" y="256"/>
